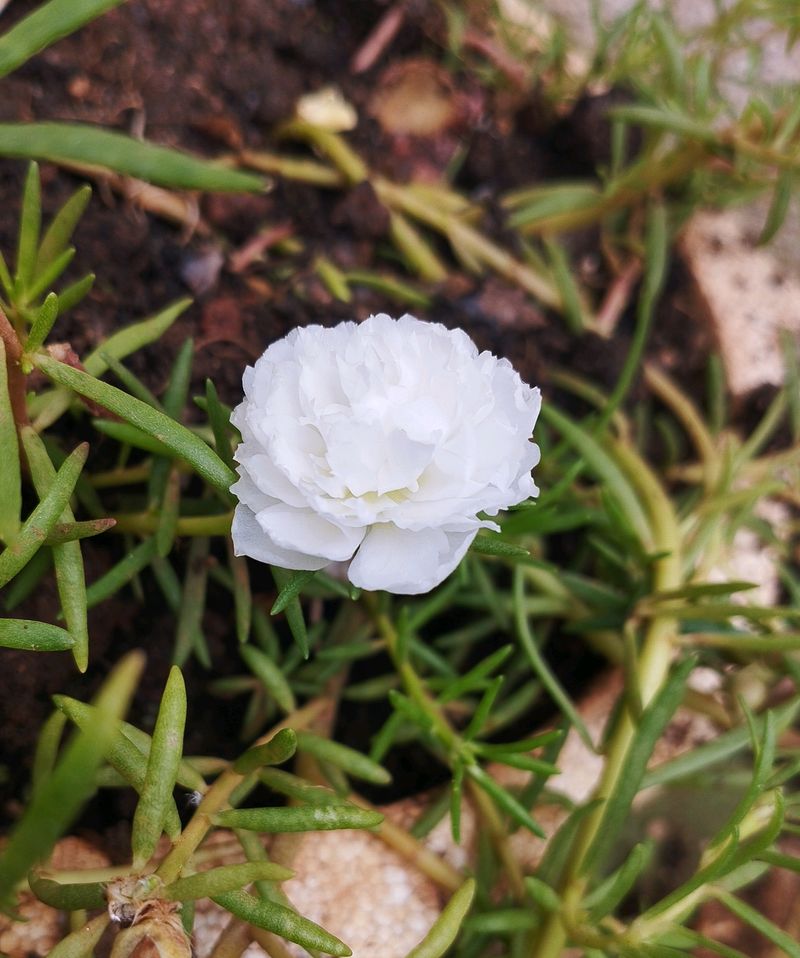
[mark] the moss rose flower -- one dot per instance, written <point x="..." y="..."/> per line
<point x="379" y="443"/>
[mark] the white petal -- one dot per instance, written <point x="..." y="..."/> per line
<point x="247" y="492"/>
<point x="407" y="563"/>
<point x="270" y="479"/>
<point x="249" y="539"/>
<point x="304" y="531"/>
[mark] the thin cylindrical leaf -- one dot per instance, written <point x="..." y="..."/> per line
<point x="125" y="433"/>
<point x="543" y="894"/>
<point x="75" y="531"/>
<point x="162" y="769"/>
<point x="217" y="881"/>
<point x="495" y="546"/>
<point x="83" y="715"/>
<point x="48" y="23"/>
<point x="652" y="724"/>
<point x="175" y="436"/>
<point x="81" y="943"/>
<point x="71" y="295"/>
<point x="604" y="467"/>
<point x="342" y="756"/>
<point x="282" y="921"/>
<point x="132" y="383"/>
<point x="44" y="759"/>
<point x="605" y="898"/>
<point x="10" y="477"/>
<point x="29" y="224"/>
<point x="504" y="800"/>
<point x="284" y="783"/>
<point x="118" y="575"/>
<point x="67" y="556"/>
<point x="299" y="818"/>
<point x="123" y="756"/>
<point x="291" y="590"/>
<point x="44" y="517"/>
<point x="755" y="919"/>
<point x="242" y="597"/>
<point x="34" y="636"/>
<point x="476" y="677"/>
<point x="63" y="224"/>
<point x="5" y="278"/>
<point x="44" y="280"/>
<point x="67" y="897"/>
<point x="46" y="409"/>
<point x="220" y="425"/>
<point x="24" y="584"/>
<point x="188" y="634"/>
<point x="54" y="806"/>
<point x="541" y="667"/>
<point x="263" y="667"/>
<point x="444" y="930"/>
<point x="279" y="749"/>
<point x="83" y="144"/>
<point x="574" y="309"/>
<point x="174" y="398"/>
<point x="46" y="315"/>
<point x="293" y="611"/>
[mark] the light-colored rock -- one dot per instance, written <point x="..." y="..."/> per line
<point x="746" y="292"/>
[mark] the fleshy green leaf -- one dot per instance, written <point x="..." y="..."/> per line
<point x="10" y="477"/>
<point x="342" y="756"/>
<point x="47" y="24"/>
<point x="67" y="556"/>
<point x="43" y="321"/>
<point x="651" y="725"/>
<point x="291" y="590"/>
<point x="444" y="930"/>
<point x="41" y="521"/>
<point x="34" y="636"/>
<point x="83" y="144"/>
<point x="282" y="921"/>
<point x="29" y="225"/>
<point x="80" y="943"/>
<point x="61" y="228"/>
<point x="123" y="756"/>
<point x="162" y="769"/>
<point x="227" y="878"/>
<point x="263" y="667"/>
<point x="45" y="409"/>
<point x="279" y="749"/>
<point x="299" y="818"/>
<point x="67" y="897"/>
<point x="54" y="806"/>
<point x="172" y="434"/>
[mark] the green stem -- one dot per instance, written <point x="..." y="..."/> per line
<point x="218" y="795"/>
<point x="143" y="523"/>
<point x="654" y="664"/>
<point x="453" y="745"/>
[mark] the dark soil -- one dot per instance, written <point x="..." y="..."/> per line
<point x="211" y="76"/>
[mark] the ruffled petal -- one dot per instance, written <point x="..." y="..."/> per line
<point x="302" y="530"/>
<point x="407" y="563"/>
<point x="249" y="539"/>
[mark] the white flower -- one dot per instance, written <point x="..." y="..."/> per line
<point x="380" y="443"/>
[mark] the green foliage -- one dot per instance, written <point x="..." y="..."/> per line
<point x="79" y="144"/>
<point x="56" y="803"/>
<point x="75" y="143"/>
<point x="613" y="561"/>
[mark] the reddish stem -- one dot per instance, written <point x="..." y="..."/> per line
<point x="17" y="380"/>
